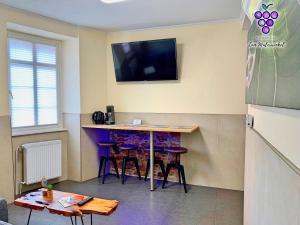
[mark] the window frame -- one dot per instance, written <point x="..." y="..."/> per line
<point x="16" y="131"/>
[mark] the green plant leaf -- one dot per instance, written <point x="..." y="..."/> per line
<point x="50" y="187"/>
<point x="264" y="6"/>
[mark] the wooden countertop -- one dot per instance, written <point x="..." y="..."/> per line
<point x="148" y="127"/>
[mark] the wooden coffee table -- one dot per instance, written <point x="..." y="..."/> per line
<point x="36" y="201"/>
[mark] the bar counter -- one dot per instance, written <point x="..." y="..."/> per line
<point x="151" y="129"/>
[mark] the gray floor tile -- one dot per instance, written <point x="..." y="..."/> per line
<point x="139" y="206"/>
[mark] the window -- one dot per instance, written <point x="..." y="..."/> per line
<point x="33" y="82"/>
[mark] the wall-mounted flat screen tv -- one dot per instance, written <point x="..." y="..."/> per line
<point x="145" y="60"/>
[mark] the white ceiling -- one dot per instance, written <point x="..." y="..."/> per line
<point x="132" y="14"/>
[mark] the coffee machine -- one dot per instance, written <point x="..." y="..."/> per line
<point x="110" y="115"/>
<point x="98" y="117"/>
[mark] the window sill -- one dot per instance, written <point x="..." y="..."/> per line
<point x="19" y="133"/>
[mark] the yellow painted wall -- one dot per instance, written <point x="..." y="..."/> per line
<point x="4" y="110"/>
<point x="92" y="70"/>
<point x="70" y="76"/>
<point x="212" y="72"/>
<point x="90" y="86"/>
<point x="92" y="59"/>
<point x="6" y="157"/>
<point x="211" y="64"/>
<point x="7" y="15"/>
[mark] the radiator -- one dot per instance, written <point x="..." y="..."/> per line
<point x="42" y="159"/>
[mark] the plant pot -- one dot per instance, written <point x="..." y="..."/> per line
<point x="45" y="193"/>
<point x="50" y="194"/>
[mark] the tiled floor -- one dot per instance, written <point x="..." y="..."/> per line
<point x="139" y="206"/>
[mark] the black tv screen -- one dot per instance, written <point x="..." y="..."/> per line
<point x="145" y="60"/>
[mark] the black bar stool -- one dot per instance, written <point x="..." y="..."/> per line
<point x="104" y="159"/>
<point x="127" y="158"/>
<point x="176" y="164"/>
<point x="157" y="161"/>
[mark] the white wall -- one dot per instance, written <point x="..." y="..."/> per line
<point x="272" y="188"/>
<point x="281" y="128"/>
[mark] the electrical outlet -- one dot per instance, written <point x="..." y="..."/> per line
<point x="249" y="120"/>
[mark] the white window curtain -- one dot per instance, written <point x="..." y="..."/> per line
<point x="34" y="86"/>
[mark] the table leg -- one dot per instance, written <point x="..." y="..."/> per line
<point x="28" y="221"/>
<point x="151" y="161"/>
<point x="91" y="219"/>
<point x="75" y="220"/>
<point x="81" y="220"/>
<point x="71" y="220"/>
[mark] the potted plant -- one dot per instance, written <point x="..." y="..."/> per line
<point x="49" y="190"/>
